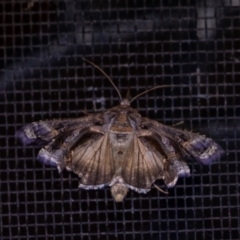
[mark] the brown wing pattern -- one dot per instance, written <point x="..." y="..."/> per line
<point x="58" y="151"/>
<point x="93" y="162"/>
<point x="143" y="165"/>
<point x="71" y="144"/>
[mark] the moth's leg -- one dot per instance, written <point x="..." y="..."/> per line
<point x="159" y="189"/>
<point x="144" y="133"/>
<point x="85" y="112"/>
<point x="90" y="113"/>
<point x="178" y="123"/>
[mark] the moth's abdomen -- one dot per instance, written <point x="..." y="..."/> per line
<point x="120" y="146"/>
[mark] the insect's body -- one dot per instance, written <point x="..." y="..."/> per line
<point x="122" y="131"/>
<point x="119" y="148"/>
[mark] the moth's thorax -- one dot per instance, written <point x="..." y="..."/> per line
<point x="121" y="135"/>
<point x="124" y="119"/>
<point x="121" y="123"/>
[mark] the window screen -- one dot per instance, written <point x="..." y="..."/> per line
<point x="193" y="45"/>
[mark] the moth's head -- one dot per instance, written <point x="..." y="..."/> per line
<point x="125" y="102"/>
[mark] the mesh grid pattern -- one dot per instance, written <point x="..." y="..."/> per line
<point x="140" y="44"/>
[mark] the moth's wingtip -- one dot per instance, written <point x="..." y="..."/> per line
<point x="45" y="157"/>
<point x="60" y="169"/>
<point x="21" y="136"/>
<point x="213" y="155"/>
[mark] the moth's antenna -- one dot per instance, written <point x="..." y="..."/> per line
<point x="119" y="94"/>
<point x="128" y="93"/>
<point x="151" y="89"/>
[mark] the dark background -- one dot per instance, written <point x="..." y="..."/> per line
<point x="194" y="45"/>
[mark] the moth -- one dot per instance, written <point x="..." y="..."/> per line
<point x="119" y="148"/>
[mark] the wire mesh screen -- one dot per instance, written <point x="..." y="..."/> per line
<point x="193" y="45"/>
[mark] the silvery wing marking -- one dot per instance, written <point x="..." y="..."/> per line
<point x="119" y="148"/>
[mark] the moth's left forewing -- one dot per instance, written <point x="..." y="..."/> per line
<point x="191" y="145"/>
<point x="202" y="149"/>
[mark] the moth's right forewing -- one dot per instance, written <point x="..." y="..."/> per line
<point x="58" y="151"/>
<point x="39" y="133"/>
<point x="43" y="132"/>
<point x="57" y="136"/>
